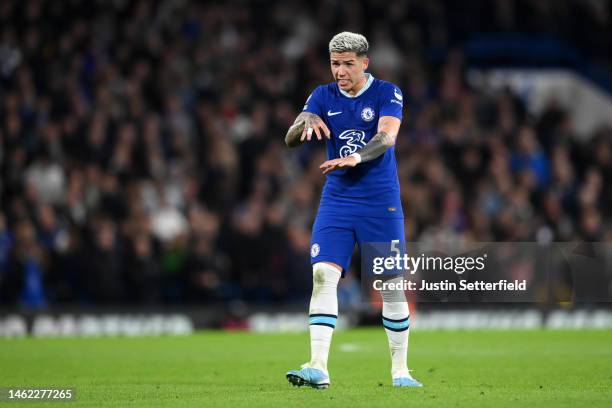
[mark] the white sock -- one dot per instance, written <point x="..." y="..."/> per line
<point x="323" y="312"/>
<point x="396" y="320"/>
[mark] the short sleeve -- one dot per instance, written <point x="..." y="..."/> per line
<point x="314" y="103"/>
<point x="392" y="101"/>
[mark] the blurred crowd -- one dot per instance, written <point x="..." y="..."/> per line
<point x="142" y="153"/>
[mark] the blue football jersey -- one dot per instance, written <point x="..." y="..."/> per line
<point x="370" y="188"/>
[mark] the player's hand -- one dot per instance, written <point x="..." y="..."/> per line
<point x="314" y="124"/>
<point x="337" y="164"/>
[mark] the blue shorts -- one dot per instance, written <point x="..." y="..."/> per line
<point x="334" y="236"/>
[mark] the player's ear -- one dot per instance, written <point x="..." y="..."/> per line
<point x="365" y="61"/>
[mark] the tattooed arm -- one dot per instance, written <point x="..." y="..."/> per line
<point x="305" y="124"/>
<point x="388" y="127"/>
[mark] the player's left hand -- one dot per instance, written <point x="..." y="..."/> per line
<point x="337" y="164"/>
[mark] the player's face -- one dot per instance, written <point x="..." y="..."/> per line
<point x="348" y="70"/>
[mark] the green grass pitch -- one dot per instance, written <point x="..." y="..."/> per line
<point x="459" y="368"/>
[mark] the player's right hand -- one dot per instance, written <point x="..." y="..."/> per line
<point x="313" y="123"/>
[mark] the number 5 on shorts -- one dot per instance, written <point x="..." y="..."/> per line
<point x="395" y="247"/>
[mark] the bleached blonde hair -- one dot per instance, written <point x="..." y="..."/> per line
<point x="349" y="42"/>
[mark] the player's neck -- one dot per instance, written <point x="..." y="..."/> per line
<point x="359" y="86"/>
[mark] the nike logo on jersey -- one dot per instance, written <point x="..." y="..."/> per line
<point x="330" y="113"/>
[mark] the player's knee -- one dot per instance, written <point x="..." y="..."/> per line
<point x="324" y="274"/>
<point x="393" y="295"/>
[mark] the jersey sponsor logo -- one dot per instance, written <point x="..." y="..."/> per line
<point x="367" y="114"/>
<point x="330" y="113"/>
<point x="355" y="140"/>
<point x="314" y="250"/>
<point x="398" y="102"/>
<point x="398" y="94"/>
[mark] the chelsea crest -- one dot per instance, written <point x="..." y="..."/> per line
<point x="367" y="114"/>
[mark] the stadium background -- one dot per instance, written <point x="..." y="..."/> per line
<point x="143" y="163"/>
<point x="146" y="193"/>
